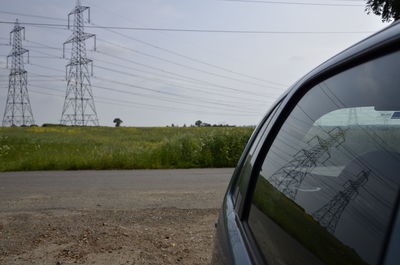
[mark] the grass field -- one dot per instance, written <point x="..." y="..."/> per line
<point x="72" y="148"/>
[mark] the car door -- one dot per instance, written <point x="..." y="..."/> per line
<point x="229" y="245"/>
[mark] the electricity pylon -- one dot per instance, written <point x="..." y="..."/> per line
<point x="18" y="111"/>
<point x="79" y="108"/>
<point x="288" y="178"/>
<point x="329" y="215"/>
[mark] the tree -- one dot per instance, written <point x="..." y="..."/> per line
<point x="117" y="122"/>
<point x="387" y="9"/>
<point x="198" y="123"/>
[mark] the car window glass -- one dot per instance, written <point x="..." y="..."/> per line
<point x="247" y="166"/>
<point x="328" y="184"/>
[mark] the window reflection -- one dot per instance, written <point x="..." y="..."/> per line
<point x="288" y="179"/>
<point x="329" y="215"/>
<point x="327" y="187"/>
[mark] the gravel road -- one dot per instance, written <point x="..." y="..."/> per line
<point x="109" y="217"/>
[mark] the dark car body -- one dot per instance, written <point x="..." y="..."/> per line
<point x="318" y="182"/>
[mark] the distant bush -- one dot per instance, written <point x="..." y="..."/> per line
<point x="52" y="125"/>
<point x="214" y="148"/>
<point x="55" y="147"/>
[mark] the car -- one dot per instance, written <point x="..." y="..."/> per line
<point x="318" y="181"/>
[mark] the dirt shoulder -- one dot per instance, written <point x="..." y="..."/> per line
<point x="109" y="217"/>
<point x="139" y="236"/>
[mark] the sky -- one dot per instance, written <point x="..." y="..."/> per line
<point x="159" y="78"/>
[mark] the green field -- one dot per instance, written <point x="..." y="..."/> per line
<point x="72" y="148"/>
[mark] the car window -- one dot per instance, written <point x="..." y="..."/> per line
<point x="327" y="187"/>
<point x="247" y="166"/>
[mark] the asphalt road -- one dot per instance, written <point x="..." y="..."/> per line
<point x="113" y="189"/>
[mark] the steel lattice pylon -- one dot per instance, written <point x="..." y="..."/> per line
<point x="329" y="215"/>
<point x="79" y="108"/>
<point x="289" y="177"/>
<point x="18" y="111"/>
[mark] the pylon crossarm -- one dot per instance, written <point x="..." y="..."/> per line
<point x="78" y="9"/>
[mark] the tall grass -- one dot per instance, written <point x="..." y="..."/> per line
<point x="69" y="148"/>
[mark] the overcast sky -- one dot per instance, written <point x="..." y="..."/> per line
<point x="158" y="78"/>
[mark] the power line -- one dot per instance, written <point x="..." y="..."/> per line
<point x="156" y="79"/>
<point x="37" y="56"/>
<point x="46" y="67"/>
<point x="159" y="92"/>
<point x="134" y="86"/>
<point x="185" y="80"/>
<point x="44" y="45"/>
<point x="38" y="47"/>
<point x="30" y="15"/>
<point x="47" y="76"/>
<point x="130" y="75"/>
<point x="221" y="105"/>
<point x="232" y="109"/>
<point x="190" y="88"/>
<point x="193" y="59"/>
<point x="291" y="3"/>
<point x="64" y="26"/>
<point x="185" y="66"/>
<point x="188" y="57"/>
<point x="157" y="107"/>
<point x="166" y="99"/>
<point x="173" y="52"/>
<point x="175" y="63"/>
<point x="190" y="79"/>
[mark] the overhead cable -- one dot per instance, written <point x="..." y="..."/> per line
<point x="64" y="26"/>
